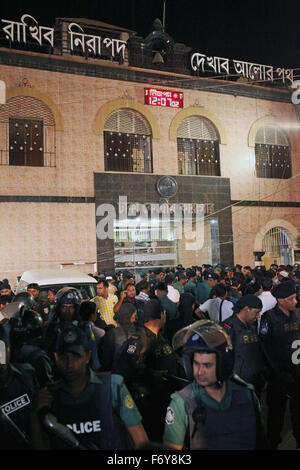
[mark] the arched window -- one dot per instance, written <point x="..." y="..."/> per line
<point x="277" y="245"/>
<point x="127" y="142"/>
<point x="272" y="153"/>
<point x="198" y="147"/>
<point x="31" y="133"/>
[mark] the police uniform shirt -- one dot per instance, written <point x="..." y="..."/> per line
<point x="177" y="419"/>
<point x="81" y="415"/>
<point x="278" y="333"/>
<point x="148" y="351"/>
<point x="248" y="358"/>
<point x="191" y="288"/>
<point x="178" y="286"/>
<point x="170" y="307"/>
<point x="110" y="346"/>
<point x="202" y="291"/>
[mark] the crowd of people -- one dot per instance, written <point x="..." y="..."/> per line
<point x="177" y="358"/>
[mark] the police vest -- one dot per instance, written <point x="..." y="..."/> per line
<point x="248" y="358"/>
<point x="230" y="429"/>
<point x="121" y="338"/>
<point x="15" y="400"/>
<point x="92" y="418"/>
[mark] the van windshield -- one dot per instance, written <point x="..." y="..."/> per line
<point x="88" y="291"/>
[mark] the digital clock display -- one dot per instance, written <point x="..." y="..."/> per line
<point x="164" y="98"/>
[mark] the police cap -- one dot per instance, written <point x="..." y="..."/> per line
<point x="296" y="273"/>
<point x="284" y="290"/>
<point x="213" y="276"/>
<point x="249" y="300"/>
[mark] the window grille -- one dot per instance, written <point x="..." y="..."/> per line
<point x="272" y="153"/>
<point x="27" y="130"/>
<point x="127" y="142"/>
<point x="198" y="147"/>
<point x="275" y="239"/>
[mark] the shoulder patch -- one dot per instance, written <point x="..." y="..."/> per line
<point x="129" y="402"/>
<point x="170" y="416"/>
<point x="264" y="328"/>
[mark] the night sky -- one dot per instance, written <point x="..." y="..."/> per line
<point x="261" y="31"/>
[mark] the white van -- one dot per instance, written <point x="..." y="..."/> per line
<point x="58" y="278"/>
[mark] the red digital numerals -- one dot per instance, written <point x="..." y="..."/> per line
<point x="164" y="98"/>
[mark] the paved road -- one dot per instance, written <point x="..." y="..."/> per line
<point x="288" y="440"/>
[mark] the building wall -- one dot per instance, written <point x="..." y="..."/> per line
<point x="250" y="224"/>
<point x="44" y="235"/>
<point x="79" y="149"/>
<point x="77" y="101"/>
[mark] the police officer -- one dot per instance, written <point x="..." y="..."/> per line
<point x="18" y="387"/>
<point x="280" y="332"/>
<point x="159" y="274"/>
<point x="35" y="290"/>
<point x="212" y="280"/>
<point x="249" y="363"/>
<point x="190" y="286"/>
<point x="52" y="291"/>
<point x="26" y="340"/>
<point x="145" y="365"/>
<point x="67" y="312"/>
<point x="110" y="346"/>
<point x="26" y="299"/>
<point x="213" y="412"/>
<point x="97" y="407"/>
<point x="296" y="279"/>
<point x="67" y="305"/>
<point x="202" y="288"/>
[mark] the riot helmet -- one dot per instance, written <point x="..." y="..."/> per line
<point x="69" y="296"/>
<point x="14" y="308"/>
<point x="4" y="345"/>
<point x="26" y="298"/>
<point x="204" y="336"/>
<point x="26" y="324"/>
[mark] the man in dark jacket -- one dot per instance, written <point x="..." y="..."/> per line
<point x="249" y="363"/>
<point x="111" y="344"/>
<point x="280" y="335"/>
<point x="147" y="361"/>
